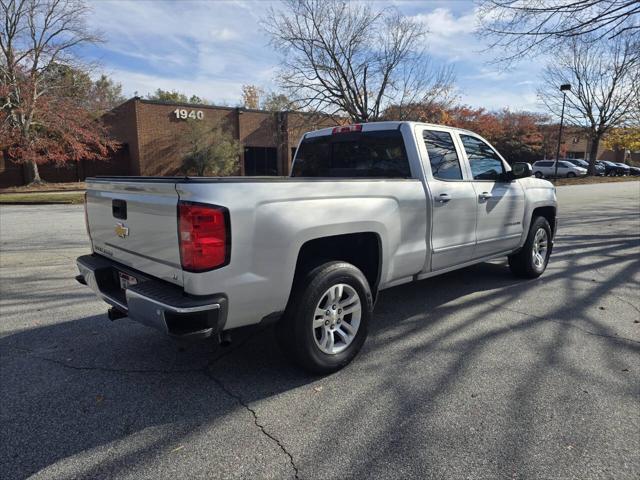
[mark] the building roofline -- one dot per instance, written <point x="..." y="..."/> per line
<point x="217" y="107"/>
<point x="199" y="105"/>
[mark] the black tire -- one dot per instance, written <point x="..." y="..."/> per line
<point x="522" y="263"/>
<point x="538" y="174"/>
<point x="571" y="175"/>
<point x="295" y="331"/>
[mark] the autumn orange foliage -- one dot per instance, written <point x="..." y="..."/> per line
<point x="519" y="136"/>
<point x="62" y="130"/>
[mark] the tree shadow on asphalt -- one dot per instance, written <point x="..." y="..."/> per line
<point x="55" y="376"/>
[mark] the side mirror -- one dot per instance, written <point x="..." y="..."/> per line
<point x="521" y="170"/>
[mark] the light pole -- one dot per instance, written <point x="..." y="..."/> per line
<point x="563" y="88"/>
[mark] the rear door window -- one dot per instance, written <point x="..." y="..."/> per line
<point x="378" y="154"/>
<point x="445" y="164"/>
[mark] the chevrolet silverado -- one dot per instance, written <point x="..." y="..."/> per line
<point x="366" y="207"/>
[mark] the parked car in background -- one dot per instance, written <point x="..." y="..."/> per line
<point x="612" y="169"/>
<point x="547" y="168"/>
<point x="635" y="171"/>
<point x="578" y="162"/>
<point x="604" y="167"/>
<point x="625" y="168"/>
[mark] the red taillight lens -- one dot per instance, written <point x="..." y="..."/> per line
<point x="203" y="232"/>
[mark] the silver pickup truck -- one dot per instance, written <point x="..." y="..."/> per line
<point x="367" y="207"/>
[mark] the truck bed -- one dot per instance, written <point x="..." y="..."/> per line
<point x="271" y="218"/>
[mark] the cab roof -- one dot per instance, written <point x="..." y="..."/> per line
<point x="389" y="125"/>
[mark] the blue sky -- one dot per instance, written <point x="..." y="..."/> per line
<point x="210" y="48"/>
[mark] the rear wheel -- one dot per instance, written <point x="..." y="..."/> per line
<point x="326" y="321"/>
<point x="531" y="261"/>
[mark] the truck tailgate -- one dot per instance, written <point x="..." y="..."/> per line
<point x="135" y="223"/>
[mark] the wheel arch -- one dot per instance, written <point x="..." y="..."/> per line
<point x="361" y="249"/>
<point x="548" y="212"/>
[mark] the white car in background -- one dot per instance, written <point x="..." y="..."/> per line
<point x="547" y="168"/>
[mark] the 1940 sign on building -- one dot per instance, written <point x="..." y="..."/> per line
<point x="184" y="114"/>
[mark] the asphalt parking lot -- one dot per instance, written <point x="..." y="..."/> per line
<point x="474" y="374"/>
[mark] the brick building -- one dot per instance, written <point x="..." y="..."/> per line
<point x="152" y="135"/>
<point x="578" y="145"/>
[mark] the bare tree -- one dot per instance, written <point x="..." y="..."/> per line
<point x="105" y="94"/>
<point x="537" y="26"/>
<point x="251" y="96"/>
<point x="346" y="58"/>
<point x="36" y="37"/>
<point x="278" y="102"/>
<point x="174" y="96"/>
<point x="602" y="93"/>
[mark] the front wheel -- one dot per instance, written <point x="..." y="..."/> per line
<point x="531" y="261"/>
<point x="571" y="175"/>
<point x="326" y="321"/>
<point x="538" y="174"/>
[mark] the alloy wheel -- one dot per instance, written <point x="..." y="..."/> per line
<point x="337" y="318"/>
<point x="539" y="252"/>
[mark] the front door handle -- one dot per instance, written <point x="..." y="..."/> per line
<point x="485" y="196"/>
<point x="443" y="198"/>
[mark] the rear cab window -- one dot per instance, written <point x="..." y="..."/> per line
<point x="445" y="164"/>
<point x="373" y="154"/>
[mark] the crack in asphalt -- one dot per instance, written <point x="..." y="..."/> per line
<point x="64" y="364"/>
<point x="209" y="374"/>
<point x="560" y="322"/>
<point x="622" y="299"/>
<point x="200" y="370"/>
<point x="256" y="421"/>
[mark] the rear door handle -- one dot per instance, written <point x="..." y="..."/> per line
<point x="443" y="198"/>
<point x="485" y="196"/>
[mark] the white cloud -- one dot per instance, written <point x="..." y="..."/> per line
<point x="220" y="91"/>
<point x="224" y="34"/>
<point x="205" y="48"/>
<point x="441" y="22"/>
<point x="499" y="98"/>
<point x="211" y="48"/>
<point x="448" y="35"/>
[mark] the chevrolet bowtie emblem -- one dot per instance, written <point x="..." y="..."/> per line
<point x="121" y="230"/>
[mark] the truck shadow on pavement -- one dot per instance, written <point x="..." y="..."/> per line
<point x="476" y="347"/>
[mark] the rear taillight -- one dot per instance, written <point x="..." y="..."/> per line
<point x="204" y="235"/>
<point x="86" y="216"/>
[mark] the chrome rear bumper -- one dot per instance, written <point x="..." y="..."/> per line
<point x="153" y="302"/>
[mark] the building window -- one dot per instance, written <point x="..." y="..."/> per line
<point x="260" y="161"/>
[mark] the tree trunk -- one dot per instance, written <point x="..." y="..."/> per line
<point x="593" y="154"/>
<point x="33" y="173"/>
